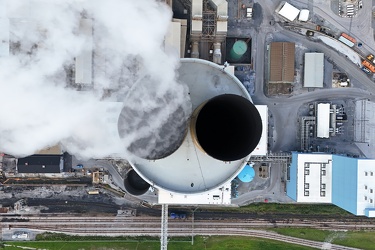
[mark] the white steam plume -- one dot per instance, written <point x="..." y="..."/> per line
<point x="39" y="109"/>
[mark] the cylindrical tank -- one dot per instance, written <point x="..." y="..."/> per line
<point x="195" y="50"/>
<point x="227" y="127"/>
<point x="134" y="184"/>
<point x="217" y="53"/>
<point x="238" y="50"/>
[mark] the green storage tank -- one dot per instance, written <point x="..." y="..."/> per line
<point x="238" y="50"/>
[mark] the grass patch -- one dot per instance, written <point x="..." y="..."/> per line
<point x="64" y="237"/>
<point x="200" y="242"/>
<point x="312" y="209"/>
<point x="358" y="239"/>
<point x="278" y="208"/>
<point x="304" y="233"/>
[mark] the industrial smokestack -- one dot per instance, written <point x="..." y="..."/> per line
<point x="134" y="184"/>
<point x="227" y="127"/>
<point x="153" y="143"/>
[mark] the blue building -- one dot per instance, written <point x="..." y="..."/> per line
<point x="324" y="178"/>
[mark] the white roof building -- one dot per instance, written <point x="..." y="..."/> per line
<point x="304" y="15"/>
<point x="348" y="183"/>
<point x="261" y="149"/>
<point x="314" y="178"/>
<point x="314" y="70"/>
<point x="289" y="12"/>
<point x="323" y="120"/>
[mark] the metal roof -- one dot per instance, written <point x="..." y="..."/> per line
<point x="39" y="164"/>
<point x="323" y="120"/>
<point x="304" y="15"/>
<point x="261" y="148"/>
<point x="314" y="70"/>
<point x="289" y="12"/>
<point x="349" y="183"/>
<point x="282" y="62"/>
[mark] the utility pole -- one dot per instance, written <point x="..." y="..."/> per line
<point x="164" y="227"/>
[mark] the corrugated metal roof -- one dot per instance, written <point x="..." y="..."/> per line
<point x="314" y="70"/>
<point x="282" y="62"/>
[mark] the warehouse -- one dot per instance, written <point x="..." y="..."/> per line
<point x="314" y="70"/>
<point x="40" y="164"/>
<point x="288" y="11"/>
<point x="282" y="62"/>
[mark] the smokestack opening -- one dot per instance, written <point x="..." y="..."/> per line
<point x="227" y="127"/>
<point x="153" y="144"/>
<point x="134" y="184"/>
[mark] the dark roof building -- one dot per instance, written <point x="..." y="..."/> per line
<point x="46" y="164"/>
<point x="282" y="62"/>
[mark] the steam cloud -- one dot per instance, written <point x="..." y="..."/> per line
<point x="39" y="109"/>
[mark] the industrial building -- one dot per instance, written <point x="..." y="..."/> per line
<point x="314" y="70"/>
<point x="197" y="167"/>
<point x="40" y="164"/>
<point x="322" y="120"/>
<point x="261" y="149"/>
<point x="364" y="126"/>
<point x="208" y="30"/>
<point x="348" y="183"/>
<point x="282" y="58"/>
<point x="304" y="15"/>
<point x="287" y="11"/>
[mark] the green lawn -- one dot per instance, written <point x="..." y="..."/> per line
<point x="359" y="239"/>
<point x="277" y="208"/>
<point x="200" y="242"/>
<point x="304" y="233"/>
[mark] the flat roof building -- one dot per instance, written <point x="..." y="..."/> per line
<point x="310" y="178"/>
<point x="261" y="148"/>
<point x="35" y="164"/>
<point x="348" y="183"/>
<point x="323" y="120"/>
<point x="282" y="58"/>
<point x="304" y="15"/>
<point x="288" y="11"/>
<point x="314" y="70"/>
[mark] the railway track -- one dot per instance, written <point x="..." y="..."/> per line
<point x="202" y="231"/>
<point x="150" y="226"/>
<point x="155" y="222"/>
